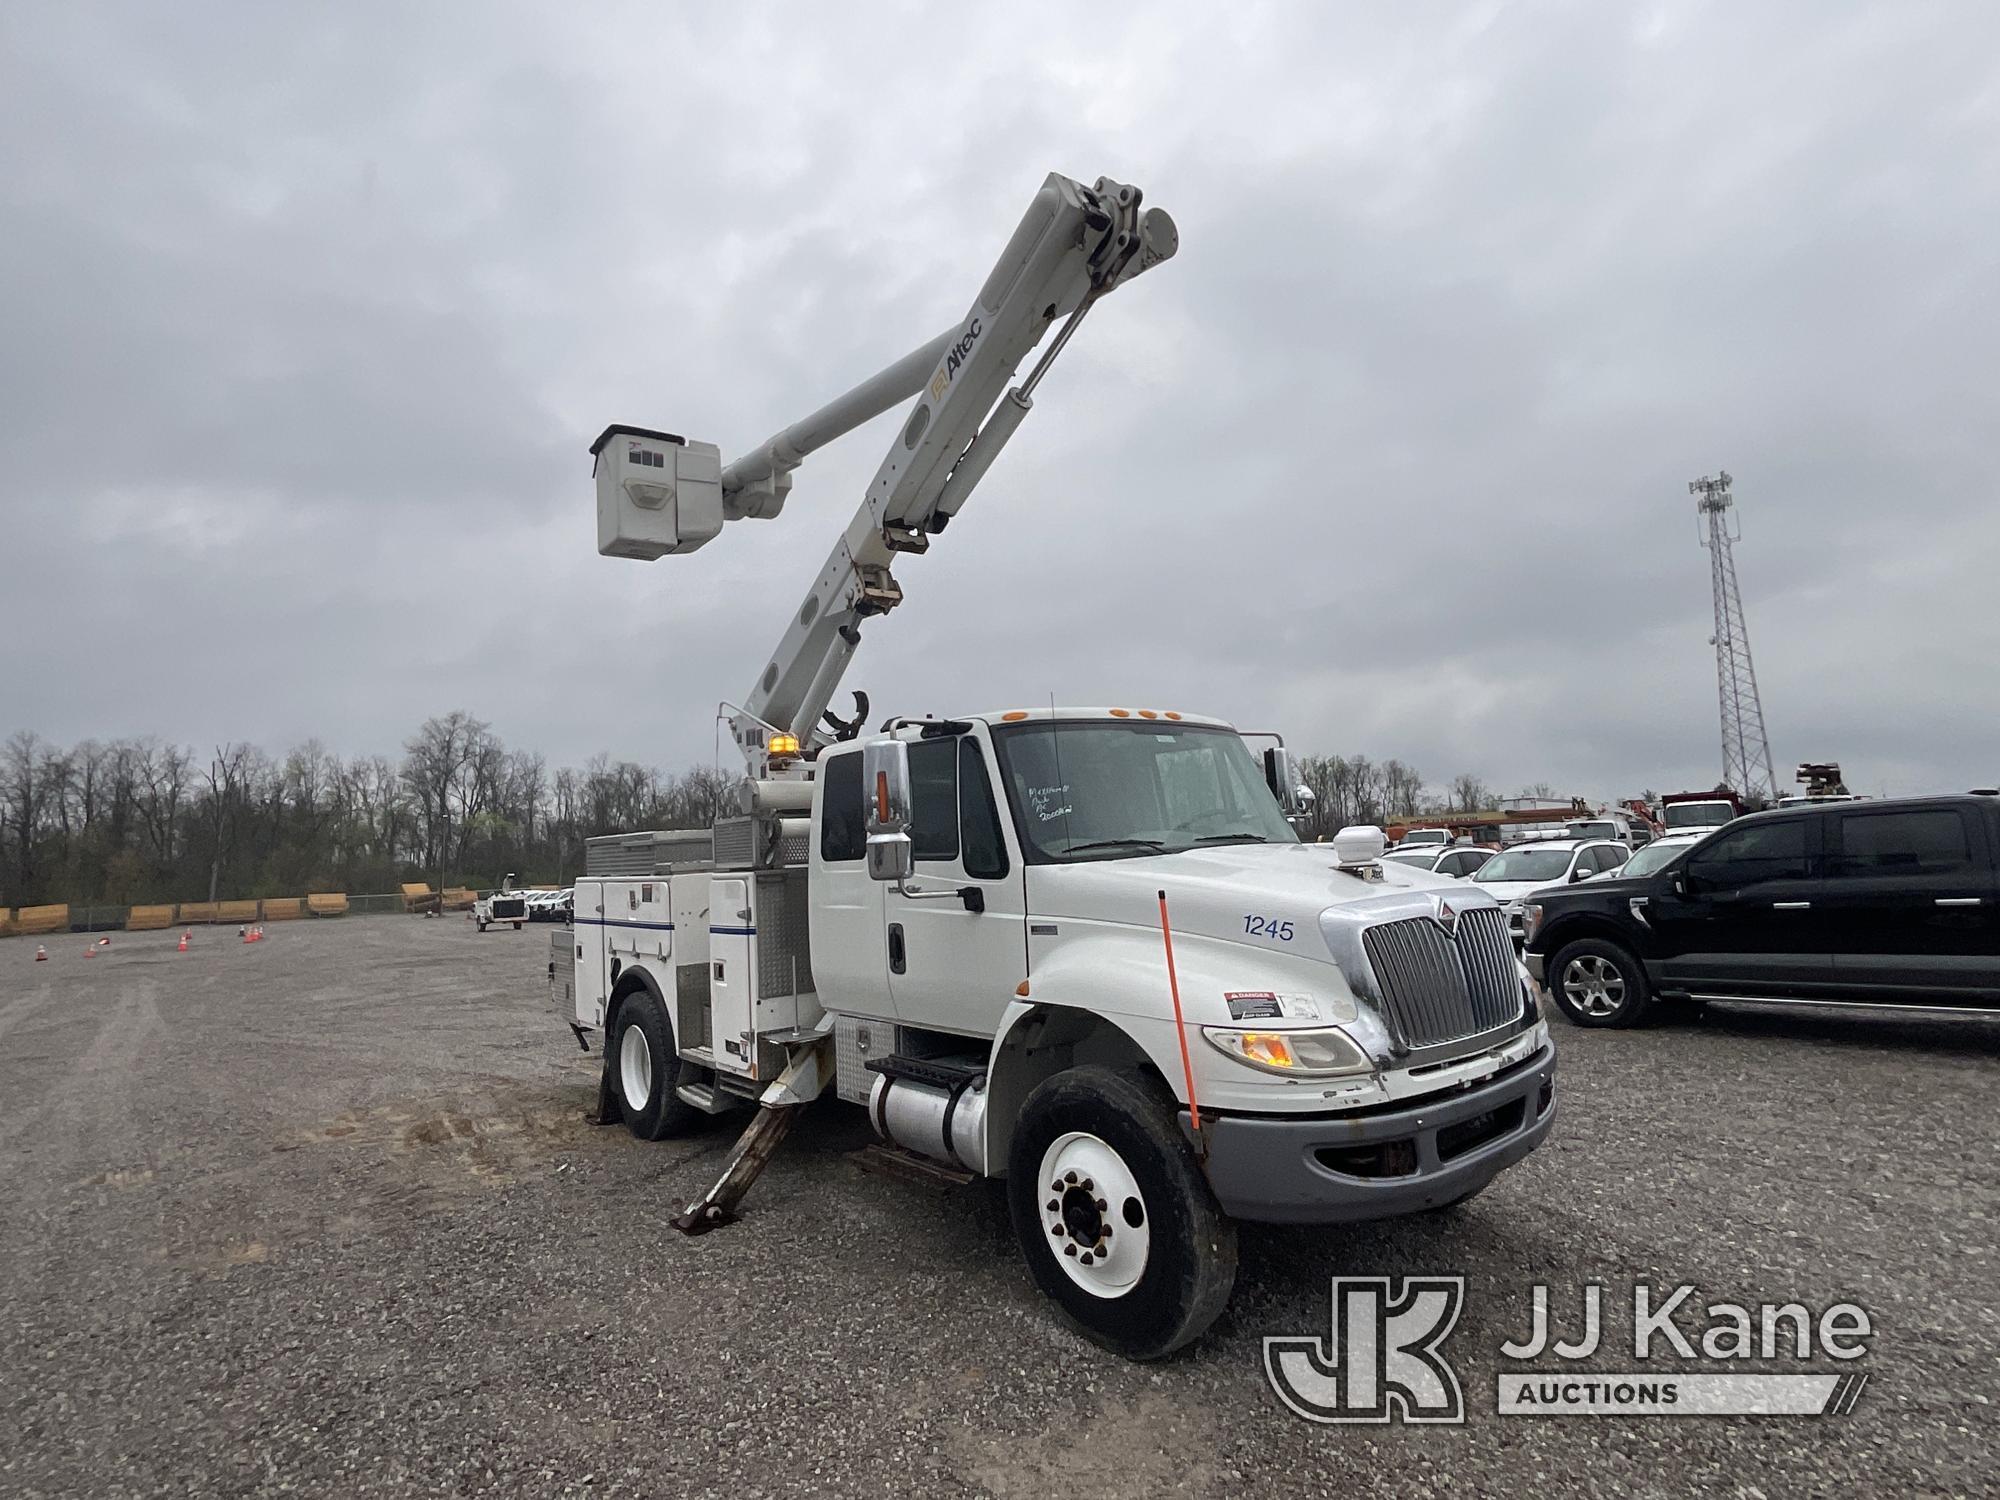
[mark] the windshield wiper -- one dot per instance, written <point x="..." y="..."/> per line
<point x="1232" y="838"/>
<point x="1116" y="844"/>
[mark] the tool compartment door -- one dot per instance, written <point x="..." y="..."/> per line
<point x="732" y="984"/>
<point x="591" y="963"/>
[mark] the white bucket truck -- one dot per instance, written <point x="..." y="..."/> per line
<point x="1081" y="949"/>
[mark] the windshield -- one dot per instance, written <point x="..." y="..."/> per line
<point x="1422" y="860"/>
<point x="1593" y="830"/>
<point x="1525" y="864"/>
<point x="1097" y="790"/>
<point x="1426" y="836"/>
<point x="1697" y="814"/>
<point x="1652" y="857"/>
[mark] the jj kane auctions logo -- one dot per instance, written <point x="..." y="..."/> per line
<point x="1382" y="1358"/>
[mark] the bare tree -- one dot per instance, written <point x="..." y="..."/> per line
<point x="1469" y="794"/>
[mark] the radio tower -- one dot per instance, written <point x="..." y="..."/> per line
<point x="1746" y="751"/>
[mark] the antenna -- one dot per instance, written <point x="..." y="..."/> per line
<point x="1746" y="749"/>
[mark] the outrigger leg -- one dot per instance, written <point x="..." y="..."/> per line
<point x="793" y="1089"/>
<point x="717" y="1206"/>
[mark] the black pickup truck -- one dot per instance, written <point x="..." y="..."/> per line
<point x="1889" y="903"/>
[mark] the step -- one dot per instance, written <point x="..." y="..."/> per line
<point x="707" y="1098"/>
<point x="936" y="1072"/>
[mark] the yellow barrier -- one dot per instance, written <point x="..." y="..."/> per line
<point x="149" y="918"/>
<point x="236" y="911"/>
<point x="33" y="920"/>
<point x="7" y="927"/>
<point x="419" y="897"/>
<point x="283" y="908"/>
<point x="197" y="911"/>
<point x="327" y="903"/>
<point x="458" y="898"/>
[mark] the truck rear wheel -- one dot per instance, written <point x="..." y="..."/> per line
<point x="646" y="1069"/>
<point x="1116" y="1222"/>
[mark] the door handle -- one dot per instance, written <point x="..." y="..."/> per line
<point x="1791" y="906"/>
<point x="898" y="956"/>
<point x="1960" y="901"/>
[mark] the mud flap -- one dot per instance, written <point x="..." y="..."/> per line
<point x="607" y="1101"/>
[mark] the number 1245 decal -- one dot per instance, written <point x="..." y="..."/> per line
<point x="1269" y="927"/>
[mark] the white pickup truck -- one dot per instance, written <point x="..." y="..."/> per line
<point x="964" y="927"/>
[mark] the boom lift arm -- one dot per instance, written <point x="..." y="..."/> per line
<point x="1073" y="245"/>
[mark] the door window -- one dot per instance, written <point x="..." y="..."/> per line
<point x="1930" y="842"/>
<point x="978" y="815"/>
<point x="934" y="799"/>
<point x="1752" y="856"/>
<point x="842" y="835"/>
<point x="1610" y="857"/>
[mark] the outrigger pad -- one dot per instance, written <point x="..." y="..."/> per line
<point x="747" y="1161"/>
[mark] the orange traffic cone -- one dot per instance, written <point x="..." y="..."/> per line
<point x="244" y="933"/>
<point x="257" y="933"/>
<point x="41" y="954"/>
<point x="104" y="942"/>
<point x="91" y="951"/>
<point x="184" y="942"/>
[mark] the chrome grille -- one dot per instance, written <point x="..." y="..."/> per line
<point x="1438" y="989"/>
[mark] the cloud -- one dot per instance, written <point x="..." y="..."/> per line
<point x="310" y="322"/>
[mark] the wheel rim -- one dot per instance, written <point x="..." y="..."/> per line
<point x="1593" y="984"/>
<point x="1094" y="1215"/>
<point x="635" y="1067"/>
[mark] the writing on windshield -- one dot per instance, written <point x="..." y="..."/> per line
<point x="1092" y="789"/>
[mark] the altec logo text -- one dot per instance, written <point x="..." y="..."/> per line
<point x="1382" y="1359"/>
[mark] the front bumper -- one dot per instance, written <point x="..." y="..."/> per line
<point x="1535" y="963"/>
<point x="1331" y="1169"/>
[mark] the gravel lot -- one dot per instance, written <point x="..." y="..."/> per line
<point x="323" y="1215"/>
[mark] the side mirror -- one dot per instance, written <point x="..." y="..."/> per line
<point x="1580" y="875"/>
<point x="885" y="788"/>
<point x="1281" y="774"/>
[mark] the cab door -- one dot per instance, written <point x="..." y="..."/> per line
<point x="850" y="959"/>
<point x="1745" y="914"/>
<point x="958" y="950"/>
<point x="1912" y="905"/>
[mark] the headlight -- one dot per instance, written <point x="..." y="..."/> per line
<point x="1298" y="1054"/>
<point x="1531" y="920"/>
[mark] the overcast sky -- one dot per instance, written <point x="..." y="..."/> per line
<point x="307" y="318"/>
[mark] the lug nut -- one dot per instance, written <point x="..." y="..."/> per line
<point x="1087" y="1185"/>
<point x="1054" y="1206"/>
<point x="1085" y="1260"/>
<point x="1070" y="1178"/>
<point x="1102" y="1205"/>
<point x="1069" y="1249"/>
<point x="1056" y="1230"/>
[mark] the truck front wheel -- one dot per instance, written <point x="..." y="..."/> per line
<point x="1118" y="1225"/>
<point x="1599" y="983"/>
<point x="646" y="1069"/>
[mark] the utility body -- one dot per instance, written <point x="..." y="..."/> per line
<point x="1081" y="949"/>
